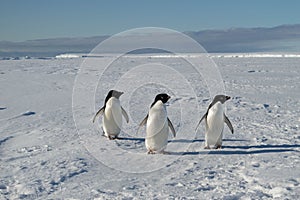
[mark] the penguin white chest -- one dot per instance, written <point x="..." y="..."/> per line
<point x="215" y="125"/>
<point x="112" y="119"/>
<point x="157" y="129"/>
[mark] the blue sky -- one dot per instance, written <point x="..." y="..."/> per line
<point x="37" y="19"/>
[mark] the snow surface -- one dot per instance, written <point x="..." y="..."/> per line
<point x="44" y="155"/>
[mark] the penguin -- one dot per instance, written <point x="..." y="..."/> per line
<point x="214" y="120"/>
<point x="157" y="125"/>
<point x="112" y="112"/>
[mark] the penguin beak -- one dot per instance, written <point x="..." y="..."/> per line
<point x="169" y="97"/>
<point x="227" y="98"/>
<point x="118" y="94"/>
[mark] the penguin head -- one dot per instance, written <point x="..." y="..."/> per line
<point x="113" y="93"/>
<point x="161" y="97"/>
<point x="221" y="98"/>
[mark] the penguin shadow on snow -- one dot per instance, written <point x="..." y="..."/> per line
<point x="235" y="149"/>
<point x="124" y="137"/>
<point x="244" y="150"/>
<point x="185" y="141"/>
<point x="131" y="139"/>
<point x="203" y="151"/>
<point x="260" y="149"/>
<point x="266" y="146"/>
<point x="202" y="140"/>
<point x="226" y="150"/>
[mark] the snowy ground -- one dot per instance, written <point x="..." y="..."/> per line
<point x="43" y="157"/>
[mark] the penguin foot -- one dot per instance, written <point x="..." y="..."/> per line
<point x="219" y="146"/>
<point x="111" y="137"/>
<point x="150" y="151"/>
<point x="206" y="147"/>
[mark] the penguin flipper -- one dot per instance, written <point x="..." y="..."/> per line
<point x="171" y="127"/>
<point x="142" y="123"/>
<point x="228" y="123"/>
<point x="100" y="112"/>
<point x="201" y="120"/>
<point x="125" y="114"/>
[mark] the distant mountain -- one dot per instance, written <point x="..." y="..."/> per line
<point x="49" y="47"/>
<point x="280" y="38"/>
<point x="285" y="38"/>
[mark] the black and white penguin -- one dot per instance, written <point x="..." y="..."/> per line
<point x="214" y="120"/>
<point x="157" y="125"/>
<point x="112" y="112"/>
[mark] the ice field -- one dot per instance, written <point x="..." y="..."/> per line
<point x="50" y="149"/>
